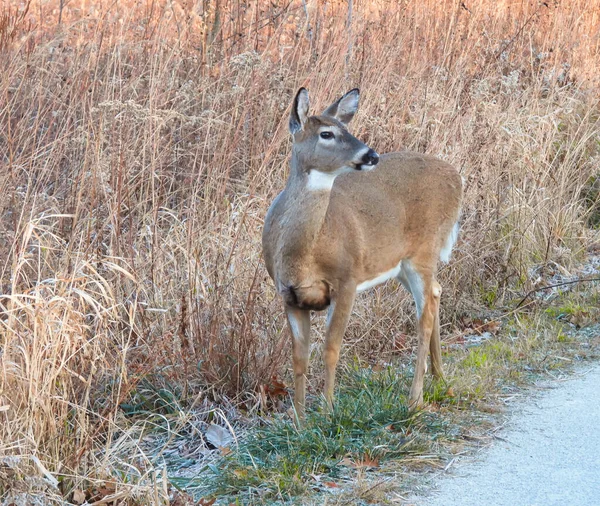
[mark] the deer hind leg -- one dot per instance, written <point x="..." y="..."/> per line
<point x="337" y="321"/>
<point x="435" y="346"/>
<point x="299" y="322"/>
<point x="411" y="280"/>
<point x="421" y="284"/>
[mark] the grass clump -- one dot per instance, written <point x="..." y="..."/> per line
<point x="330" y="458"/>
<point x="370" y="423"/>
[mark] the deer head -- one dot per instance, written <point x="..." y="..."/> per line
<point x="323" y="148"/>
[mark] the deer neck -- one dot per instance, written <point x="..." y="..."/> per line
<point x="308" y="195"/>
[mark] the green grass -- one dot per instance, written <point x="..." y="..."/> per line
<point x="370" y="424"/>
<point x="335" y="457"/>
<point x="569" y="308"/>
<point x="575" y="308"/>
<point x="147" y="397"/>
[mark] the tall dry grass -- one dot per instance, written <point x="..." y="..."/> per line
<point x="141" y="144"/>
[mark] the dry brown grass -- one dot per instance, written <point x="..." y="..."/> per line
<point x="141" y="143"/>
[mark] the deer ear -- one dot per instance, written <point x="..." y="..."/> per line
<point x="299" y="112"/>
<point x="345" y="108"/>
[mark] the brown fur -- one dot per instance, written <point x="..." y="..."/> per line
<point x="320" y="245"/>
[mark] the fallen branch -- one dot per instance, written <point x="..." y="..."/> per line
<point x="573" y="281"/>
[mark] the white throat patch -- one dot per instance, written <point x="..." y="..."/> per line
<point x="323" y="181"/>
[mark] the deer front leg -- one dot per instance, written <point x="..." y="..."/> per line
<point x="337" y="321"/>
<point x="299" y="322"/>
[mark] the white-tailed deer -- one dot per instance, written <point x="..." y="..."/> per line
<point x="340" y="227"/>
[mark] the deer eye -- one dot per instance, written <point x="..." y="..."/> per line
<point x="327" y="135"/>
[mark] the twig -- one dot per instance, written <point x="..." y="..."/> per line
<point x="450" y="339"/>
<point x="580" y="280"/>
<point x="520" y="30"/>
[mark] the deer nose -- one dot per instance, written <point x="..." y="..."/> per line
<point x="370" y="158"/>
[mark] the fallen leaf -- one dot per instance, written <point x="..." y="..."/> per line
<point x="78" y="496"/>
<point x="347" y="462"/>
<point x="331" y="484"/>
<point x="400" y="343"/>
<point x="492" y="327"/>
<point x="218" y="436"/>
<point x="479" y="326"/>
<point x="378" y="367"/>
<point x="276" y="388"/>
<point x="102" y="492"/>
<point x="241" y="473"/>
<point x="365" y="462"/>
<point x="181" y="499"/>
<point x="368" y="462"/>
<point x="207" y="502"/>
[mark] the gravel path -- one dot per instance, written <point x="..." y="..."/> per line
<point x="549" y="454"/>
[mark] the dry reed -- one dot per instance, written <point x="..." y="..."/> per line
<point x="141" y="143"/>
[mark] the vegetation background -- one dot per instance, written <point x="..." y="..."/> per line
<point x="141" y="143"/>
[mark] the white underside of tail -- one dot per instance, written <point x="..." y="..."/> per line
<point x="450" y="241"/>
